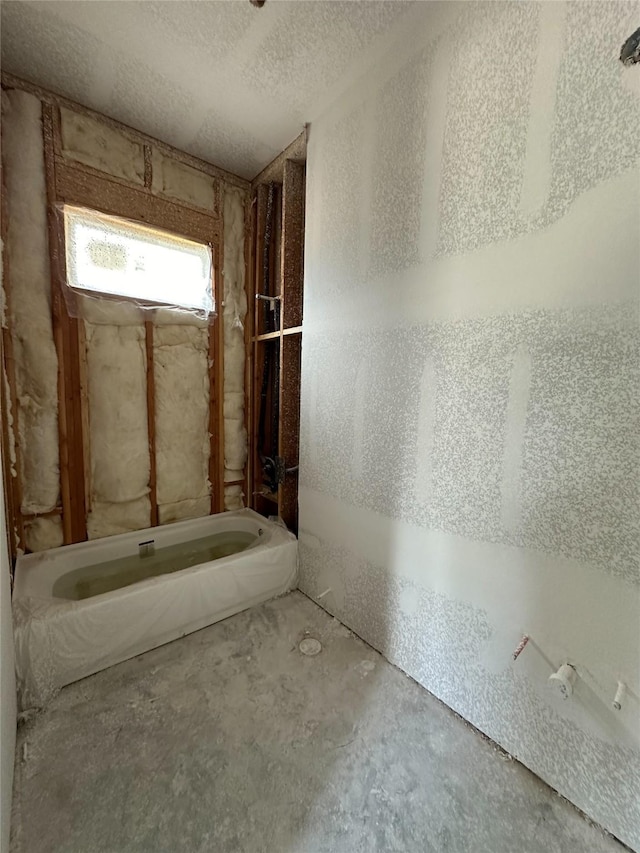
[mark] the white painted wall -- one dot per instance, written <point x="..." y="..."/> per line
<point x="470" y="419"/>
<point x="7" y="689"/>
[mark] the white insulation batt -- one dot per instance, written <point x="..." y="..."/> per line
<point x="233" y="316"/>
<point x="119" y="438"/>
<point x="96" y="144"/>
<point x="181" y="373"/>
<point x="177" y="180"/>
<point x="36" y="363"/>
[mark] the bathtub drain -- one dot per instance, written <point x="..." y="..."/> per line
<point x="310" y="646"/>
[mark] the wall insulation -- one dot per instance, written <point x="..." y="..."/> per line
<point x="470" y="414"/>
<point x="181" y="373"/>
<point x="116" y="399"/>
<point x="36" y="363"/>
<point x="118" y="429"/>
<point x="100" y="146"/>
<point x="177" y="180"/>
<point x="234" y="314"/>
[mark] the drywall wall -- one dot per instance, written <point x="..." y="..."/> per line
<point x="36" y="363"/>
<point x="470" y="418"/>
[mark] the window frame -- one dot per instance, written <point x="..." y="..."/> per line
<point x="73" y="289"/>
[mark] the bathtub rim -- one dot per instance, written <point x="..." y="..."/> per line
<point x="35" y="574"/>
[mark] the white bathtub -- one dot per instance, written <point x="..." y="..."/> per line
<point x="59" y="640"/>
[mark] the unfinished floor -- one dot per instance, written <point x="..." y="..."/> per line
<point x="231" y="740"/>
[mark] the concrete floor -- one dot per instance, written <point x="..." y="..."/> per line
<point x="230" y="740"/>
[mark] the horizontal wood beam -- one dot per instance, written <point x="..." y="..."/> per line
<point x="77" y="186"/>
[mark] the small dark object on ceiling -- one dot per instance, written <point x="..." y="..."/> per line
<point x="258" y="3"/>
<point x="630" y="53"/>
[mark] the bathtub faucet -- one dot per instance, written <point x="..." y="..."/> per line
<point x="146" y="549"/>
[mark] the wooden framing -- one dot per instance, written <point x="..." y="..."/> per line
<point x="288" y="173"/>
<point x="65" y="333"/>
<point x="151" y="421"/>
<point x="72" y="182"/>
<point x="99" y="192"/>
<point x="296" y="151"/>
<point x="216" y="390"/>
<point x="249" y="260"/>
<point x="293" y="181"/>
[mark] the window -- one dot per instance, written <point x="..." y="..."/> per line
<point x="114" y="256"/>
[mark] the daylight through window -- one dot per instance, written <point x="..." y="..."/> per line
<point x="114" y="256"/>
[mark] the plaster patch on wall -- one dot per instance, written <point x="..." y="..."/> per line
<point x="536" y="182"/>
<point x="181" y="373"/>
<point x="596" y="132"/>
<point x="523" y="139"/>
<point x="36" y="362"/>
<point x="233" y="318"/>
<point x="341" y="189"/>
<point x="426" y="423"/>
<point x="177" y="180"/>
<point x="359" y="420"/>
<point x="101" y="146"/>
<point x="398" y="163"/>
<point x="486" y="427"/>
<point x="519" y="389"/>
<point x="119" y="442"/>
<point x="581" y="451"/>
<point x="486" y="125"/>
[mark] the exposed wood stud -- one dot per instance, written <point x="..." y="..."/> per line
<point x="293" y="188"/>
<point x="84" y="404"/>
<point x="249" y="229"/>
<point x="65" y="330"/>
<point x="260" y="217"/>
<point x="216" y="387"/>
<point x="217" y="198"/>
<point x="84" y="169"/>
<point x="151" y="422"/>
<point x="148" y="169"/>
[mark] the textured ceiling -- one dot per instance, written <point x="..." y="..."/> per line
<point x="225" y="81"/>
